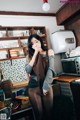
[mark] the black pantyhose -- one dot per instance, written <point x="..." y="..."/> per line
<point x="42" y="105"/>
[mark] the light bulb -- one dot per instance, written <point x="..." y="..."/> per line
<point x="46" y="6"/>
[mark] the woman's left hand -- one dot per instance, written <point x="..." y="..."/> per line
<point x="45" y="92"/>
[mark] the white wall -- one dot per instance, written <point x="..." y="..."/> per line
<point x="48" y="22"/>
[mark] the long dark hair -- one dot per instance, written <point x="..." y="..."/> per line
<point x="30" y="49"/>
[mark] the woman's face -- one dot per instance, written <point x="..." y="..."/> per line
<point x="36" y="43"/>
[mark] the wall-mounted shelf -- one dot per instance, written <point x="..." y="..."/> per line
<point x="13" y="40"/>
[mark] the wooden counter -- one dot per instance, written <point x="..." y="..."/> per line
<point x="20" y="84"/>
<point x="66" y="78"/>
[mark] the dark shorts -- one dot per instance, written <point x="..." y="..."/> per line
<point x="33" y="83"/>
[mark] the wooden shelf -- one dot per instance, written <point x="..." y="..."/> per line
<point x="20" y="84"/>
<point x="12" y="58"/>
<point x="17" y="37"/>
<point x="14" y="37"/>
<point x="13" y="48"/>
<point x="20" y="27"/>
<point x="21" y="110"/>
<point x="8" y="33"/>
<point x="22" y="97"/>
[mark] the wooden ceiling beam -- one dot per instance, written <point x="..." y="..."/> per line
<point x="67" y="13"/>
<point x="26" y="13"/>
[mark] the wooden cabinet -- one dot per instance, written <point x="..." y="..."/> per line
<point x="64" y="82"/>
<point x="68" y="13"/>
<point x="13" y="40"/>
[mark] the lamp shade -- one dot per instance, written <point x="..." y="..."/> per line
<point x="46" y="6"/>
<point x="45" y="1"/>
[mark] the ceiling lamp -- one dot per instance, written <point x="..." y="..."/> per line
<point x="46" y="5"/>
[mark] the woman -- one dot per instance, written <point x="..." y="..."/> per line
<point x="39" y="67"/>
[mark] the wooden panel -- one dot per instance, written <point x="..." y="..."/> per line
<point x="75" y="26"/>
<point x="69" y="10"/>
<point x="69" y="16"/>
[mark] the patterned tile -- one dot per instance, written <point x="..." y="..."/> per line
<point x="15" y="71"/>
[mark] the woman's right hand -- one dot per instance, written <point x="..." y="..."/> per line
<point x="31" y="63"/>
<point x="35" y="48"/>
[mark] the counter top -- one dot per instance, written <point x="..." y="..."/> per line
<point x="20" y="84"/>
<point x="66" y="78"/>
